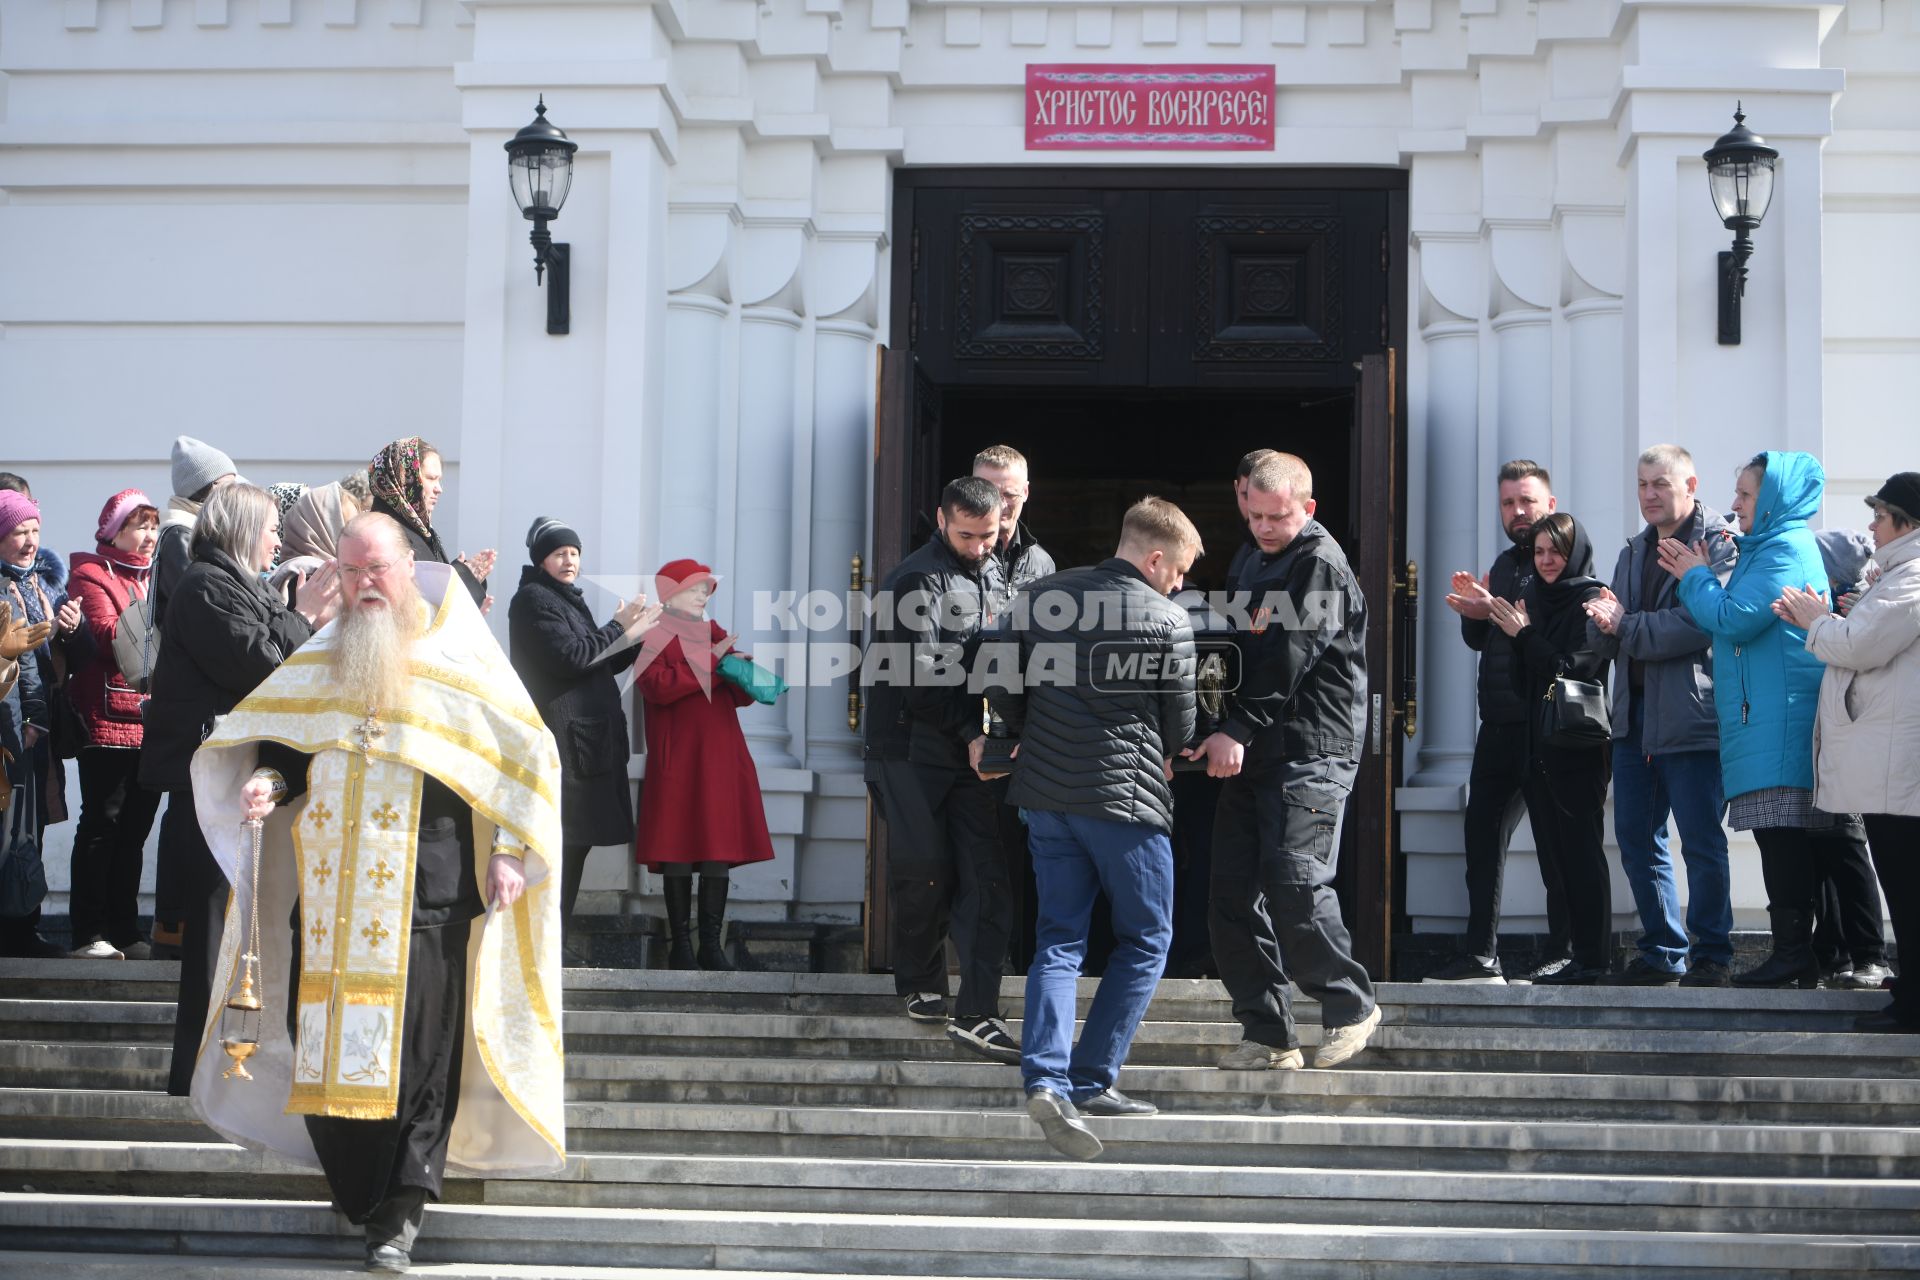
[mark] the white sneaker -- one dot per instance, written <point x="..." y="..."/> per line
<point x="98" y="949"/>
<point x="1251" y="1055"/>
<point x="1342" y="1043"/>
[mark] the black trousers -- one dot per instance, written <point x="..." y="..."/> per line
<point x="1896" y="859"/>
<point x="204" y="892"/>
<point x="1496" y="796"/>
<point x="170" y="872"/>
<point x="371" y="1162"/>
<point x="109" y="841"/>
<point x="1847" y="923"/>
<point x="573" y="865"/>
<point x="1567" y="796"/>
<point x="1790" y="868"/>
<point x="946" y="874"/>
<point x="1276" y="839"/>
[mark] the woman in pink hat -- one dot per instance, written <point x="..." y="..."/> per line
<point x="116" y="812"/>
<point x="700" y="808"/>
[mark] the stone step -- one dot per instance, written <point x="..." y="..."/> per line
<point x="1133" y="1192"/>
<point x="922" y="1245"/>
<point x="120" y="1266"/>
<point x="1354" y="1141"/>
<point x="976" y="1085"/>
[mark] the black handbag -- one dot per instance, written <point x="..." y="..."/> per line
<point x="23" y="876"/>
<point x="1573" y="714"/>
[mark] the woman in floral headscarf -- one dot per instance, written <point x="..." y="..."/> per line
<point x="405" y="480"/>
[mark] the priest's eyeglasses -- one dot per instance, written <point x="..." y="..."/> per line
<point x="374" y="570"/>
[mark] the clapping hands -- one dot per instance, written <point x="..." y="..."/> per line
<point x="1508" y="615"/>
<point x="1801" y="608"/>
<point x="1605" y="610"/>
<point x="1470" y="596"/>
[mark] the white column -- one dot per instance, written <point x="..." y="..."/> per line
<point x="1600" y="471"/>
<point x="690" y="445"/>
<point x="1524" y="383"/>
<point x="1447" y="667"/>
<point x="763" y="508"/>
<point x="842" y="399"/>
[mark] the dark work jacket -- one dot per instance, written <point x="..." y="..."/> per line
<point x="911" y="712"/>
<point x="1303" y="659"/>
<point x="562" y="658"/>
<point x="446" y="884"/>
<point x="225" y="633"/>
<point x="1552" y="645"/>
<point x="1021" y="561"/>
<point x="1105" y="698"/>
<point x="432" y="548"/>
<point x="172" y="557"/>
<point x="1245" y="553"/>
<point x="1509" y="578"/>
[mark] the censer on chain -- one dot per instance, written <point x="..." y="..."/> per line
<point x="240" y="1023"/>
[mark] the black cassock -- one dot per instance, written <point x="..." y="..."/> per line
<point x="366" y="1161"/>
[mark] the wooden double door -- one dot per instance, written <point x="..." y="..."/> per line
<point x="1137" y="332"/>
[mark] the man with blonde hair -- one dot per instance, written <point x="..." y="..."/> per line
<point x="1289" y="748"/>
<point x="1092" y="774"/>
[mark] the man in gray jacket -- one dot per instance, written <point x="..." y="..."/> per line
<point x="1666" y="742"/>
<point x="1103" y="700"/>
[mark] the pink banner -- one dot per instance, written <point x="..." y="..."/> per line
<point x="1188" y="107"/>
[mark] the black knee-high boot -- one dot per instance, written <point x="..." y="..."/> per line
<point x="713" y="914"/>
<point x="678" y="891"/>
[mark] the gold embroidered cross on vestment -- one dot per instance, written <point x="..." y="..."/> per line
<point x="375" y="933"/>
<point x="382" y="873"/>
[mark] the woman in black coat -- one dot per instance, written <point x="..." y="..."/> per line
<point x="565" y="660"/>
<point x="1565" y="786"/>
<point x="225" y="634"/>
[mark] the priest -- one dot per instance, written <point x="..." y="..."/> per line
<point x="408" y="947"/>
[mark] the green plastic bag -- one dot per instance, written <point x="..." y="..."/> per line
<point x="761" y="684"/>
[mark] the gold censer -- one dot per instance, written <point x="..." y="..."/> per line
<point x="240" y="1024"/>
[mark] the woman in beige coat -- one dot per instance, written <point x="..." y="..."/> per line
<point x="1866" y="740"/>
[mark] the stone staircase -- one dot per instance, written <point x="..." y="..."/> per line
<point x="783" y="1124"/>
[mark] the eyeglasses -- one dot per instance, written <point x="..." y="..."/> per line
<point x="377" y="569"/>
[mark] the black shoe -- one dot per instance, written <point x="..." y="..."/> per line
<point x="1573" y="974"/>
<point x="1066" y="1132"/>
<point x="1639" y="973"/>
<point x="1707" y="973"/>
<point x="387" y="1258"/>
<point x="927" y="1006"/>
<point x="140" y="949"/>
<point x="1112" y="1102"/>
<point x="1781" y="970"/>
<point x="1540" y="972"/>
<point x="33" y="947"/>
<point x="1468" y="971"/>
<point x="987" y="1037"/>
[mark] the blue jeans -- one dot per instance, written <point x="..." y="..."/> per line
<point x="1074" y="859"/>
<point x="1645" y="790"/>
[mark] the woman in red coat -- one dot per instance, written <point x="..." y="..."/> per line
<point x="701" y="807"/>
<point x="116" y="812"/>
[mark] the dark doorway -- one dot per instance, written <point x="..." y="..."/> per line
<point x="1137" y="333"/>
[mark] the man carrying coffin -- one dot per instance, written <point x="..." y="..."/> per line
<point x="409" y="943"/>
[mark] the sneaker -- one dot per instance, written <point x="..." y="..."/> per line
<point x="139" y="949"/>
<point x="1865" y="977"/>
<point x="927" y="1006"/>
<point x="1540" y="972"/>
<point x="98" y="949"/>
<point x="1707" y="973"/>
<point x="1341" y="1043"/>
<point x="1570" y="974"/>
<point x="1639" y="973"/>
<point x="1112" y="1102"/>
<point x="990" y="1039"/>
<point x="1251" y="1055"/>
<point x="1066" y="1132"/>
<point x="1469" y="971"/>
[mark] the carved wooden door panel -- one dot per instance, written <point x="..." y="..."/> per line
<point x="1015" y="287"/>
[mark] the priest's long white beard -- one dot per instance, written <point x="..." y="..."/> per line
<point x="371" y="651"/>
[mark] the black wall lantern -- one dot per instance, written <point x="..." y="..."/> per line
<point x="540" y="170"/>
<point x="1740" y="177"/>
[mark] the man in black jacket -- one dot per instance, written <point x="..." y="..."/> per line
<point x="1021" y="559"/>
<point x="1246" y="549"/>
<point x="1102" y="700"/>
<point x="1494" y="800"/>
<point x="945" y="864"/>
<point x="1290" y="747"/>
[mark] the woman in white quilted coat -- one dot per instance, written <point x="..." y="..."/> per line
<point x="1866" y="740"/>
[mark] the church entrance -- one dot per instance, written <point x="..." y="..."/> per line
<point x="1137" y="334"/>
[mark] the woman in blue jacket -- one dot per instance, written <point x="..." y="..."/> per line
<point x="1766" y="690"/>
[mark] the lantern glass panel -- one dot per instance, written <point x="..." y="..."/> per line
<point x="540" y="180"/>
<point x="1742" y="187"/>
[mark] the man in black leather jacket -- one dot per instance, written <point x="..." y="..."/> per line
<point x="1494" y="800"/>
<point x="1289" y="746"/>
<point x="1101" y="694"/>
<point x="946" y="868"/>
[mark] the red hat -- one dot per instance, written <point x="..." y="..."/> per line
<point x="676" y="576"/>
<point x="120" y="507"/>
